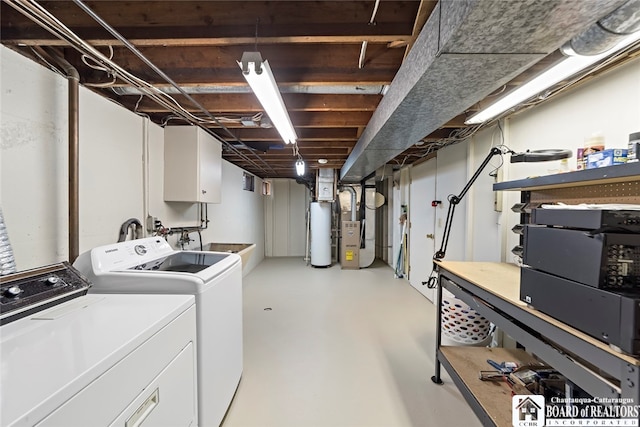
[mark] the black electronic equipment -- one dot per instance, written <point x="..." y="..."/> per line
<point x="31" y="291"/>
<point x="602" y="260"/>
<point x="612" y="317"/>
<point x="588" y="219"/>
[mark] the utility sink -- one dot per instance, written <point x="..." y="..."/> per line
<point x="243" y="249"/>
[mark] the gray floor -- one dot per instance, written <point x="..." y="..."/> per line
<point x="332" y="347"/>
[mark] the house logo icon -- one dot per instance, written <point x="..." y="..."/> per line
<point x="528" y="410"/>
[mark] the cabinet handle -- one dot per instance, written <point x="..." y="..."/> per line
<point x="144" y="410"/>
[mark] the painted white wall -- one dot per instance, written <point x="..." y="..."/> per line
<point x="484" y="222"/>
<point x="609" y="104"/>
<point x="33" y="173"/>
<point x="33" y="132"/>
<point x="451" y="177"/>
<point x="237" y="219"/>
<point x="285" y="219"/>
<point x="110" y="169"/>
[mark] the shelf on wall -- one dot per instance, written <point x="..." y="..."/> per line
<point x="611" y="174"/>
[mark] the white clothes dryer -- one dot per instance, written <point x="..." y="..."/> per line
<point x="101" y="360"/>
<point x="151" y="266"/>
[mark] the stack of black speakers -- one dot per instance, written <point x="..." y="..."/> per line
<point x="582" y="267"/>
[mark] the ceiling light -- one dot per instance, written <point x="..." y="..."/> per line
<point x="259" y="76"/>
<point x="300" y="167"/>
<point x="323" y="161"/>
<point x="562" y="70"/>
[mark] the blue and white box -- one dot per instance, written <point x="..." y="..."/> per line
<point x="610" y="157"/>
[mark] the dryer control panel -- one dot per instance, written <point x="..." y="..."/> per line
<point x="27" y="292"/>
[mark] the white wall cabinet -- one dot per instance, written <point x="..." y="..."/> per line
<point x="192" y="165"/>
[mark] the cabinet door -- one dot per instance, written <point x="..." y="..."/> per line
<point x="210" y="169"/>
<point x="192" y="165"/>
<point x="180" y="160"/>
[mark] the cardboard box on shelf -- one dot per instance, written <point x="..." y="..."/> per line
<point x="609" y="157"/>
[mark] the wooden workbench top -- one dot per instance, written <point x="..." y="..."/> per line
<point x="503" y="281"/>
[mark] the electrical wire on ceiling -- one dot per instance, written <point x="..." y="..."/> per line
<point x="455" y="136"/>
<point x="363" y="48"/>
<point x="135" y="108"/>
<point x="498" y="129"/>
<point x="158" y="71"/>
<point x="45" y="19"/>
<point x="256" y="118"/>
<point x="464" y="133"/>
<point x="88" y="61"/>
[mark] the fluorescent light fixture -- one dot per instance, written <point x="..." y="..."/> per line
<point x="300" y="167"/>
<point x="566" y="68"/>
<point x="259" y="76"/>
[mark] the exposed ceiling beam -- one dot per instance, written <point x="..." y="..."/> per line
<point x="327" y="119"/>
<point x="424" y="12"/>
<point x="153" y="22"/>
<point x="329" y="38"/>
<point x="247" y="102"/>
<point x="218" y="65"/>
<point x="304" y="134"/>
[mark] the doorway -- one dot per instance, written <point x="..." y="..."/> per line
<point x="422" y="217"/>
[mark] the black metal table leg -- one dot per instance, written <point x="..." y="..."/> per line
<point x="436" y="378"/>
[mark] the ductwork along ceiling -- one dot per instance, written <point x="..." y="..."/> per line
<point x="426" y="66"/>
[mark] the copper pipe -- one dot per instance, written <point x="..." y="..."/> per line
<point x="74" y="166"/>
<point x="74" y="163"/>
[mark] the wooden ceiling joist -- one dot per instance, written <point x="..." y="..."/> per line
<point x="248" y="103"/>
<point x="304" y="135"/>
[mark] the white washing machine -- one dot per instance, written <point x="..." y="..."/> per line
<point x="101" y="360"/>
<point x="151" y="266"/>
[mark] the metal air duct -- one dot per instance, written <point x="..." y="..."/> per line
<point x="607" y="32"/>
<point x="466" y="50"/>
<point x="7" y="261"/>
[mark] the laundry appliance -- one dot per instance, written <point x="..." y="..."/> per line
<point x="94" y="360"/>
<point x="152" y="266"/>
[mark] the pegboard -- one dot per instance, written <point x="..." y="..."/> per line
<point x="617" y="192"/>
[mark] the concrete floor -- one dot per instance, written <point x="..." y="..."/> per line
<point x="331" y="347"/>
